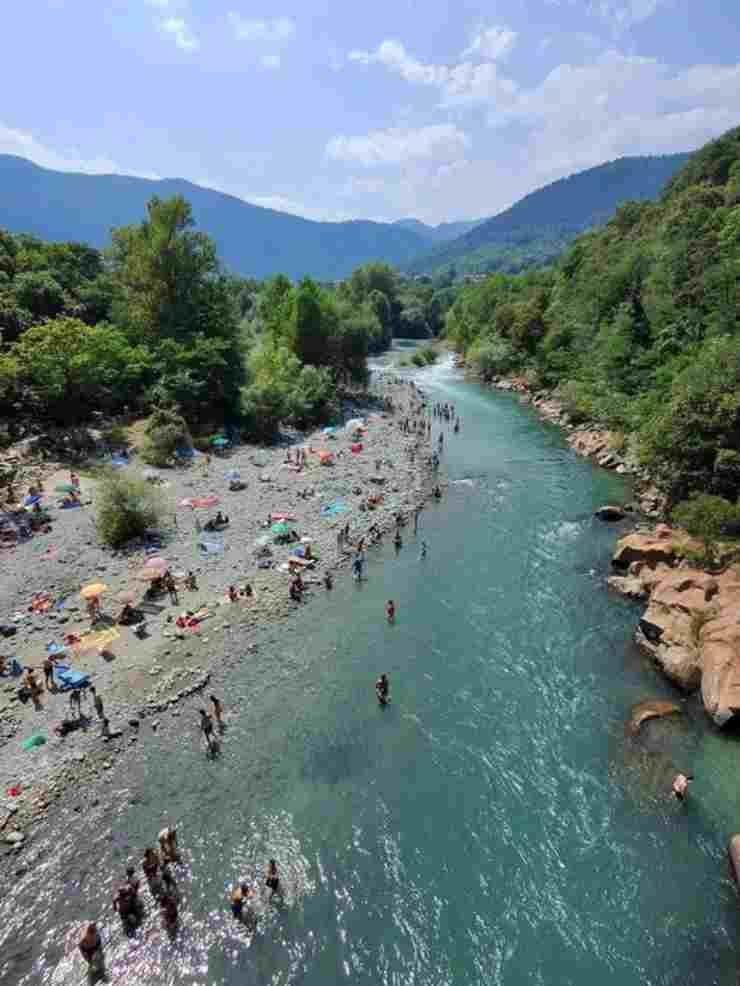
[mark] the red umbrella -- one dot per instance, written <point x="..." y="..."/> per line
<point x="200" y="501"/>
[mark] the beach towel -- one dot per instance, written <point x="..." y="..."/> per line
<point x="211" y="547"/>
<point x="38" y="739"/>
<point x="66" y="677"/>
<point x="336" y="507"/>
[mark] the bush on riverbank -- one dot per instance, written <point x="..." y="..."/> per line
<point x="708" y="518"/>
<point x="165" y="432"/>
<point x="125" y="507"/>
<point x="425" y="356"/>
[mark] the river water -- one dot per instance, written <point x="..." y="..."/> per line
<point x="493" y="825"/>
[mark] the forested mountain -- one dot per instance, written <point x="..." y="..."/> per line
<point x="440" y="233"/>
<point x="637" y="326"/>
<point x="250" y="240"/>
<point x="538" y="227"/>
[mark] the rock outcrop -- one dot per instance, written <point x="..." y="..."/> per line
<point x="691" y="626"/>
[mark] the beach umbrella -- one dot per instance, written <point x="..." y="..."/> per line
<point x="280" y="528"/>
<point x="329" y="430"/>
<point x="233" y="475"/>
<point x="93" y="590"/>
<point x="220" y="441"/>
<point x="355" y="424"/>
<point x="30" y="500"/>
<point x="65" y="488"/>
<point x="157" y="564"/>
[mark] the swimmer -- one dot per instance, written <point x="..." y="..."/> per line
<point x="382" y="689"/>
<point x="397" y="541"/>
<point x="423" y="550"/>
<point x="272" y="880"/>
<point x="390" y="609"/>
<point x="328" y="581"/>
<point x="680" y="785"/>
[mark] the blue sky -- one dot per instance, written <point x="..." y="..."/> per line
<point x="335" y="109"/>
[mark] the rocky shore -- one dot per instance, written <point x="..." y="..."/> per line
<point x="691" y="627"/>
<point x="605" y="448"/>
<point x="142" y="680"/>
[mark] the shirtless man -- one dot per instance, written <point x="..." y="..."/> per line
<point x="382" y="689"/>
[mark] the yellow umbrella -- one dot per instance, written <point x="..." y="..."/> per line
<point x="94" y="590"/>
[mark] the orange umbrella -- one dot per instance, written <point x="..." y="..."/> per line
<point x="94" y="590"/>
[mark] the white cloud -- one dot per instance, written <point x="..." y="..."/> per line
<point x="493" y="42"/>
<point x="460" y="84"/>
<point x="159" y="4"/>
<point x="439" y="142"/>
<point x="270" y="61"/>
<point x="177" y="29"/>
<point x="27" y="146"/>
<point x="254" y="29"/>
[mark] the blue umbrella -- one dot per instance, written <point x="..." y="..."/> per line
<point x="30" y="500"/>
<point x="220" y="442"/>
<point x="233" y="474"/>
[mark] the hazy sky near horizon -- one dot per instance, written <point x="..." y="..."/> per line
<point x="380" y="110"/>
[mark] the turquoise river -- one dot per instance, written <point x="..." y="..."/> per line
<point x="493" y="825"/>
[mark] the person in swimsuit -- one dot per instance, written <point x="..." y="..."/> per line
<point x="218" y="710"/>
<point x="680" y="786"/>
<point x="91" y="946"/>
<point x="397" y="541"/>
<point x="390" y="611"/>
<point x="328" y="581"/>
<point x="272" y="880"/>
<point x="206" y="726"/>
<point x="150" y="866"/>
<point x="382" y="689"/>
<point x="168" y="845"/>
<point x="239" y="896"/>
<point x="126" y="904"/>
<point x="169" y="910"/>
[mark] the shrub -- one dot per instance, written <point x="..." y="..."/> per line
<point x="707" y="518"/>
<point x="165" y="432"/>
<point x="493" y="356"/>
<point x="125" y="507"/>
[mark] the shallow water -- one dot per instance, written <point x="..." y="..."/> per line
<point x="492" y="825"/>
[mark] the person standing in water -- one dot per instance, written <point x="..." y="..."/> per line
<point x="382" y="689"/>
<point x="91" y="947"/>
<point x="218" y="710"/>
<point x="390" y="611"/>
<point x="680" y="786"/>
<point x="206" y="727"/>
<point x="423" y="550"/>
<point x="272" y="880"/>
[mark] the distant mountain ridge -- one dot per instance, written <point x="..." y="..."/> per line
<point x="251" y="240"/>
<point x="441" y="232"/>
<point x="538" y="227"/>
<point x="259" y="242"/>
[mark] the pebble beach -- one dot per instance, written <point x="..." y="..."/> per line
<point x="142" y="680"/>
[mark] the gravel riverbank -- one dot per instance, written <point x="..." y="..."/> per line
<point x="140" y="680"/>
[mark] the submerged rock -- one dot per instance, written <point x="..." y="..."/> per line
<point x="610" y="512"/>
<point x="650" y="708"/>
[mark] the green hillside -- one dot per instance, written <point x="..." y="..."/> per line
<point x="535" y="230"/>
<point x="637" y="326"/>
<point x="250" y="240"/>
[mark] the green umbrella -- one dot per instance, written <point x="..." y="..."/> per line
<point x="280" y="528"/>
<point x="65" y="488"/>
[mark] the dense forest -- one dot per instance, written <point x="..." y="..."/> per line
<point x="636" y="326"/>
<point x="534" y="231"/>
<point x="154" y="322"/>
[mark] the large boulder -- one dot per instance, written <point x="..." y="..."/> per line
<point x="663" y="545"/>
